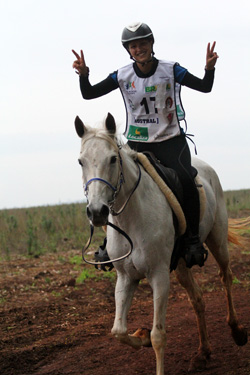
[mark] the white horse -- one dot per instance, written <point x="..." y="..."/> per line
<point x="110" y="176"/>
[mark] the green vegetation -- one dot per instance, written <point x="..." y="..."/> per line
<point x="237" y="200"/>
<point x="235" y="280"/>
<point x="88" y="273"/>
<point x="34" y="231"/>
<point x="92" y="273"/>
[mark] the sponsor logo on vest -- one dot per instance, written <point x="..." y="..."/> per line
<point x="170" y="117"/>
<point x="131" y="105"/>
<point x="169" y="102"/>
<point x="147" y="121"/>
<point x="168" y="86"/>
<point x="151" y="89"/>
<point x="139" y="134"/>
<point x="180" y="112"/>
<point x="129" y="85"/>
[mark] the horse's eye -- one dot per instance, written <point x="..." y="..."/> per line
<point x="79" y="161"/>
<point x="113" y="160"/>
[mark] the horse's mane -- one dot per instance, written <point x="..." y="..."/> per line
<point x="129" y="151"/>
<point x="116" y="142"/>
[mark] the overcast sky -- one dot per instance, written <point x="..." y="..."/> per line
<point x="40" y="96"/>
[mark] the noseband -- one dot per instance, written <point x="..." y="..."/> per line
<point x="116" y="189"/>
<point x="98" y="179"/>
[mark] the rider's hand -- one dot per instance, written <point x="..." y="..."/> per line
<point x="211" y="57"/>
<point x="79" y="64"/>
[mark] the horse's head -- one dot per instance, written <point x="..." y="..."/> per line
<point x="101" y="168"/>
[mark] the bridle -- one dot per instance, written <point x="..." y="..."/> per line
<point x="116" y="189"/>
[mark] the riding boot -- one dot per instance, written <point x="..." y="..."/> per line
<point x="102" y="256"/>
<point x="194" y="252"/>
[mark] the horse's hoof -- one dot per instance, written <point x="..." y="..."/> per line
<point x="144" y="335"/>
<point x="239" y="334"/>
<point x="199" y="362"/>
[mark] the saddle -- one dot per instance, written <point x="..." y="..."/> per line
<point x="169" y="176"/>
<point x="171" y="179"/>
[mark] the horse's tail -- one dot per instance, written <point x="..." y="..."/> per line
<point x="235" y="228"/>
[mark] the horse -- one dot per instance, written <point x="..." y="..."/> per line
<point x="121" y="193"/>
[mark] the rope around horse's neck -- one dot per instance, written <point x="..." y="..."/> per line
<point x="166" y="191"/>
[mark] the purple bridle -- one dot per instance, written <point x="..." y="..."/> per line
<point x="112" y="211"/>
<point x="116" y="189"/>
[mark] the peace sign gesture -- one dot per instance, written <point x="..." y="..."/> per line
<point x="80" y="65"/>
<point x="211" y="57"/>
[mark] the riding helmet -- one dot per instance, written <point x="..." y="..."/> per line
<point x="137" y="30"/>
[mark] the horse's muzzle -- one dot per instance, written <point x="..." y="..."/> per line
<point x="98" y="215"/>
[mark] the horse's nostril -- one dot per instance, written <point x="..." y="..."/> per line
<point x="97" y="215"/>
<point x="104" y="211"/>
<point x="88" y="212"/>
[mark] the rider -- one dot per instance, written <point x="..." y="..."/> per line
<point x="151" y="93"/>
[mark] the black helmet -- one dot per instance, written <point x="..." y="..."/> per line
<point x="137" y="30"/>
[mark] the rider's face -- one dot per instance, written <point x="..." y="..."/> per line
<point x="140" y="50"/>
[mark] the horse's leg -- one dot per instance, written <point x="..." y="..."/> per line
<point x="124" y="291"/>
<point x="217" y="243"/>
<point x="160" y="285"/>
<point x="185" y="277"/>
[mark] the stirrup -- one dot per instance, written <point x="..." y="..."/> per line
<point x="102" y="256"/>
<point x="195" y="253"/>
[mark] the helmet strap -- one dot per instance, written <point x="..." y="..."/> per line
<point x="144" y="63"/>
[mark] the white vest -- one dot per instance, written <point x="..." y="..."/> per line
<point x="153" y="104"/>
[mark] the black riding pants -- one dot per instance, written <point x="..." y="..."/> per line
<point x="174" y="153"/>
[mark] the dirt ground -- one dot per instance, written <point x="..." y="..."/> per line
<point x="52" y="326"/>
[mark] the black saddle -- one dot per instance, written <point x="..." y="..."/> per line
<point x="172" y="180"/>
<point x="169" y="176"/>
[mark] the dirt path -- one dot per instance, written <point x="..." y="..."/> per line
<point x="51" y="326"/>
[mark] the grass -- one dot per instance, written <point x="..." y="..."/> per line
<point x="235" y="280"/>
<point x="92" y="273"/>
<point x="86" y="274"/>
<point x="237" y="200"/>
<point x="37" y="230"/>
<point x="76" y="259"/>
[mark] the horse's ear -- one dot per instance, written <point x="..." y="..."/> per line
<point x="110" y="124"/>
<point x="80" y="128"/>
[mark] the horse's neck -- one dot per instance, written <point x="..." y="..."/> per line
<point x="130" y="171"/>
<point x="131" y="174"/>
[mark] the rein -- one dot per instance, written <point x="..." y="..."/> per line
<point x="116" y="190"/>
<point x="111" y="204"/>
<point x="119" y="230"/>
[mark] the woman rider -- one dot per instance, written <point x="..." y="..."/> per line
<point x="150" y="89"/>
